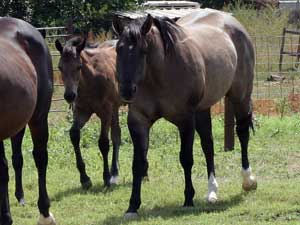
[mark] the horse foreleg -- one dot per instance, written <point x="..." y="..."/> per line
<point x="139" y="133"/>
<point x="204" y="129"/>
<point x="5" y="216"/>
<point x="243" y="123"/>
<point x="17" y="161"/>
<point x="116" y="141"/>
<point x="79" y="121"/>
<point x="103" y="144"/>
<point x="186" y="130"/>
<point x="39" y="134"/>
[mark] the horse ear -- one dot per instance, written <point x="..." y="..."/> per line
<point x="58" y="46"/>
<point x="147" y="25"/>
<point x="117" y="25"/>
<point x="81" y="46"/>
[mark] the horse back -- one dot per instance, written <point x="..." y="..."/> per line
<point x="242" y="82"/>
<point x="98" y="83"/>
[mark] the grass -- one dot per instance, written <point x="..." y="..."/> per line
<point x="274" y="156"/>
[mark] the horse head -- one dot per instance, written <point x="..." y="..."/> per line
<point x="70" y="65"/>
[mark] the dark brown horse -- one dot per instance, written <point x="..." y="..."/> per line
<point x="26" y="86"/>
<point x="89" y="79"/>
<point x="177" y="71"/>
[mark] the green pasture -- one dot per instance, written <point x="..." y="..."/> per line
<point x="274" y="155"/>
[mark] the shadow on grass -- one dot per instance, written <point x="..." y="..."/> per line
<point x="95" y="189"/>
<point x="173" y="211"/>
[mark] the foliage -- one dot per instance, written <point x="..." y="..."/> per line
<point x="85" y="14"/>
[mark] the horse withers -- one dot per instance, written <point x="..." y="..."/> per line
<point x="88" y="75"/>
<point x="177" y="71"/>
<point x="26" y="86"/>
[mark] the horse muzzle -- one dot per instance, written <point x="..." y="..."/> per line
<point x="127" y="93"/>
<point x="70" y="96"/>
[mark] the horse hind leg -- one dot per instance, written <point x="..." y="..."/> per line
<point x="39" y="134"/>
<point x="17" y="161"/>
<point x="103" y="144"/>
<point x="204" y="129"/>
<point x="243" y="113"/>
<point x="5" y="216"/>
<point x="116" y="141"/>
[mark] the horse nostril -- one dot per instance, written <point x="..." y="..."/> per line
<point x="69" y="97"/>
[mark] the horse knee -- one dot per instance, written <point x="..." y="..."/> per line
<point x="186" y="162"/>
<point x="243" y="125"/>
<point x="41" y="158"/>
<point x="103" y="144"/>
<point x="74" y="135"/>
<point x="17" y="161"/>
<point x="4" y="177"/>
<point x="140" y="168"/>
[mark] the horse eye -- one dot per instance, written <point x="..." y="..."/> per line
<point x="79" y="67"/>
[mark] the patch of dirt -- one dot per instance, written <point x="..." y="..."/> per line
<point x="294" y="102"/>
<point x="268" y="107"/>
<point x="265" y="107"/>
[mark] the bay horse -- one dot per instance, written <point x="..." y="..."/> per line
<point x="90" y="85"/>
<point x="26" y="86"/>
<point x="177" y="71"/>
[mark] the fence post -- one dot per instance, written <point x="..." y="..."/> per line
<point x="281" y="49"/>
<point x="228" y="125"/>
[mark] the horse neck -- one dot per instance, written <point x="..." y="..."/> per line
<point x="156" y="56"/>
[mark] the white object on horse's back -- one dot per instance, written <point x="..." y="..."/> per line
<point x="249" y="181"/>
<point x="46" y="220"/>
<point x="212" y="189"/>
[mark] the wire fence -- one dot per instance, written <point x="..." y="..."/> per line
<point x="277" y="72"/>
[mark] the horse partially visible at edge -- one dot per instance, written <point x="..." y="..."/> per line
<point x="26" y="87"/>
<point x="177" y="71"/>
<point x="88" y="75"/>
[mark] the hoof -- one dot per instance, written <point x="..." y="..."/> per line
<point x="212" y="197"/>
<point x="114" y="180"/>
<point x="46" y="220"/>
<point x="131" y="215"/>
<point x="22" y="202"/>
<point x="87" y="185"/>
<point x="188" y="204"/>
<point x="249" y="181"/>
<point x="250" y="184"/>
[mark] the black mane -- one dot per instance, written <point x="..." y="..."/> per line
<point x="168" y="30"/>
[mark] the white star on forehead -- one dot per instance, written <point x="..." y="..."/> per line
<point x="130" y="47"/>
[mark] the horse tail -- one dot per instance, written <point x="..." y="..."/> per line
<point x="228" y="125"/>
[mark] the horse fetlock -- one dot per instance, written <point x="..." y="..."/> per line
<point x="212" y="189"/>
<point x="114" y="180"/>
<point x="50" y="220"/>
<point x="249" y="180"/>
<point x="86" y="184"/>
<point x="22" y="202"/>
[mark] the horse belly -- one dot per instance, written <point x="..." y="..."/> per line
<point x="219" y="76"/>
